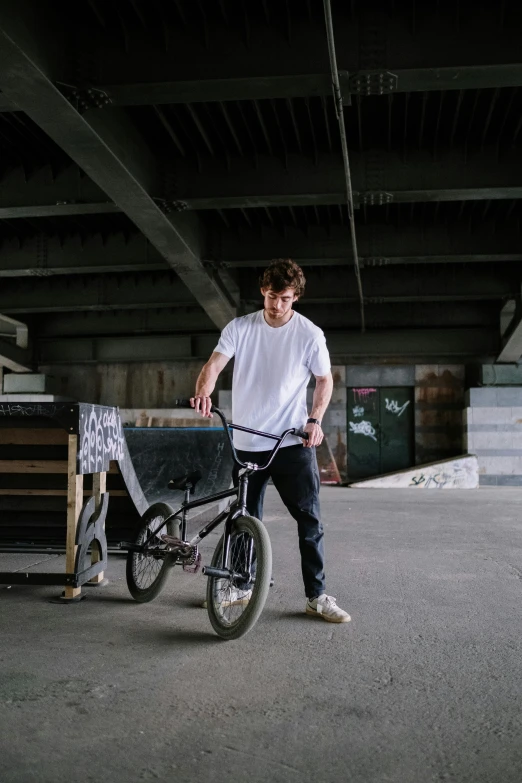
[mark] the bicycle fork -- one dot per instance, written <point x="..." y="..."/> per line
<point x="227" y="571"/>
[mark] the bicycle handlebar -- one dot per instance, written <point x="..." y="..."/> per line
<point x="185" y="403"/>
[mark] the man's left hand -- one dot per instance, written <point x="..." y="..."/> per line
<point x="315" y="435"/>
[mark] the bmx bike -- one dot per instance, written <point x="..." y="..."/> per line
<point x="241" y="568"/>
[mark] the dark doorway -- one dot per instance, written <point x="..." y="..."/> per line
<point x="380" y="430"/>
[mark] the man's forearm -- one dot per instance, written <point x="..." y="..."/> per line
<point x="206" y="381"/>
<point x="322" y="396"/>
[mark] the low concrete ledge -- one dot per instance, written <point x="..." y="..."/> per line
<point x="454" y="473"/>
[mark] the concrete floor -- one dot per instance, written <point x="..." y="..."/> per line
<point x="424" y="685"/>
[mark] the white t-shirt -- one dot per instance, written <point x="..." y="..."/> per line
<point x="271" y="372"/>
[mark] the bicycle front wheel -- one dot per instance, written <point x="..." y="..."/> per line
<point x="234" y="606"/>
<point x="147" y="571"/>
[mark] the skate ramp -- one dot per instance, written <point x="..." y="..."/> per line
<point x="454" y="473"/>
<point x="139" y="462"/>
<point x="158" y="454"/>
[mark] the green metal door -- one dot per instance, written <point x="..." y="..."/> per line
<point x="380" y="431"/>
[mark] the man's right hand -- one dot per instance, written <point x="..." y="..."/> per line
<point x="202" y="405"/>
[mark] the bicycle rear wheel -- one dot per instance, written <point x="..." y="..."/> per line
<point x="146" y="572"/>
<point x="234" y="606"/>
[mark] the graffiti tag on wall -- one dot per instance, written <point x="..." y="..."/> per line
<point x="101" y="438"/>
<point x="394" y="407"/>
<point x="362" y="395"/>
<point x="440" y="479"/>
<point x="363" y="428"/>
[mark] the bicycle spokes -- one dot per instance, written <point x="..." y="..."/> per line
<point x="231" y="594"/>
<point x="148" y="563"/>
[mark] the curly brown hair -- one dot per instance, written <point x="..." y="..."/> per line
<point x="283" y="273"/>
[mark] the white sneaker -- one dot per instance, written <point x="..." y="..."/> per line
<point x="236" y="597"/>
<point x="324" y="606"/>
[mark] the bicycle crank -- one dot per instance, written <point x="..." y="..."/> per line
<point x="189" y="555"/>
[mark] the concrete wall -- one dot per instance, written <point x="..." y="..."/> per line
<point x="493" y="431"/>
<point x="132" y="385"/>
<point x="153" y="386"/>
<point x="368" y="376"/>
<point x="491" y="426"/>
<point x="334" y="422"/>
<point x="439" y="401"/>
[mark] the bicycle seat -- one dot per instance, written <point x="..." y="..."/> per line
<point x="187" y="480"/>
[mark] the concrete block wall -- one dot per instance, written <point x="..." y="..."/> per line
<point x="334" y="422"/>
<point x="439" y="401"/>
<point x="493" y="431"/>
<point x="370" y="376"/>
<point x="128" y="385"/>
<point x="152" y="386"/>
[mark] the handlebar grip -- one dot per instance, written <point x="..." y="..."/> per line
<point x="185" y="403"/>
<point x="301" y="434"/>
<point x="182" y="403"/>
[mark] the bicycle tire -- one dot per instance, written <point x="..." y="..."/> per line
<point x="136" y="567"/>
<point x="253" y="609"/>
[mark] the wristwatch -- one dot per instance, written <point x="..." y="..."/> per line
<point x="313" y="421"/>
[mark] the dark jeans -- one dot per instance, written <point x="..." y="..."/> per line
<point x="296" y="477"/>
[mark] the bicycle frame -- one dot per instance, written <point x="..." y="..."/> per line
<point x="240" y="491"/>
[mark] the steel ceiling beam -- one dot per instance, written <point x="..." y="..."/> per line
<point x="339" y="301"/>
<point x="402" y="345"/>
<point x="398" y="284"/>
<point x="191" y="320"/>
<point x="370" y="261"/>
<point x="470" y="77"/>
<point x="380" y="244"/>
<point x="301" y="181"/>
<point x="188" y="320"/>
<point x="234" y="89"/>
<point x="103" y="293"/>
<point x="304" y="85"/>
<point x="154" y="67"/>
<point x="309" y="85"/>
<point x="149" y="291"/>
<point x="128" y="348"/>
<point x="46" y="187"/>
<point x="97" y="257"/>
<point x="63" y="306"/>
<point x="106" y="146"/>
<point x="412" y="345"/>
<point x="44" y="256"/>
<point x="218" y="90"/>
<point x="57" y="210"/>
<point x="244" y="201"/>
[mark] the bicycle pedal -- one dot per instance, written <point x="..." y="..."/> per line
<point x="171" y="540"/>
<point x="192" y="567"/>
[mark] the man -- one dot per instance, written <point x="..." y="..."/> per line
<point x="276" y="351"/>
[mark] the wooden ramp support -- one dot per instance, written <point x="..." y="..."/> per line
<point x="74" y="507"/>
<point x="93" y="438"/>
